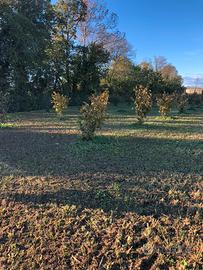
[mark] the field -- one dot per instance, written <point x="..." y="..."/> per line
<point x="130" y="199"/>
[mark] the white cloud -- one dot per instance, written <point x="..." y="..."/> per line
<point x="193" y="80"/>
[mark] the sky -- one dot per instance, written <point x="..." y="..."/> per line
<point x="169" y="28"/>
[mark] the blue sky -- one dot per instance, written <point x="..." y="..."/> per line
<point x="169" y="28"/>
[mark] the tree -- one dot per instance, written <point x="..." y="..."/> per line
<point x="159" y="63"/>
<point x="93" y="115"/>
<point x="120" y="79"/>
<point x="23" y="34"/>
<point x="67" y="16"/>
<point x="100" y="27"/>
<point x="164" y="102"/>
<point x="90" y="65"/>
<point x="143" y="102"/>
<point x="73" y="46"/>
<point x="182" y="102"/>
<point x="144" y="65"/>
<point x="60" y="103"/>
<point x="171" y="81"/>
<point x="159" y="76"/>
<point x="76" y="68"/>
<point x="40" y="49"/>
<point x="147" y="77"/>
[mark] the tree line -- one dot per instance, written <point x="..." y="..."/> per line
<point x="74" y="48"/>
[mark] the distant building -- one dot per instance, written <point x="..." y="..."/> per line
<point x="192" y="90"/>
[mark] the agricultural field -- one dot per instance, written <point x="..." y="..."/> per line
<point x="130" y="199"/>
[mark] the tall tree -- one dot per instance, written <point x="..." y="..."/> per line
<point x="100" y="26"/>
<point x="23" y="37"/>
<point x="90" y="65"/>
<point x="171" y="80"/>
<point x="67" y="15"/>
<point x="159" y="63"/>
<point x="120" y="79"/>
<point x="148" y="78"/>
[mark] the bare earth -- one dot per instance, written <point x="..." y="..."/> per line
<point x="131" y="199"/>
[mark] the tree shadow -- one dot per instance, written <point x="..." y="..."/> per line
<point x="59" y="154"/>
<point x="102" y="199"/>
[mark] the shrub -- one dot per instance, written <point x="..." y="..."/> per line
<point x="4" y="101"/>
<point x="93" y="115"/>
<point x="182" y="102"/>
<point x="143" y="102"/>
<point x="164" y="103"/>
<point x="60" y="103"/>
<point x="195" y="99"/>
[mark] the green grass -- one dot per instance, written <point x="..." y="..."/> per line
<point x="7" y="125"/>
<point x="129" y="199"/>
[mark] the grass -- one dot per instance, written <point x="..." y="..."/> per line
<point x="7" y="125"/>
<point x="129" y="199"/>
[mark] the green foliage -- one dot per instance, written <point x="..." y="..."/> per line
<point x="195" y="99"/>
<point x="164" y="103"/>
<point x="120" y="80"/>
<point x="182" y="102"/>
<point x="72" y="46"/>
<point x="160" y="77"/>
<point x="7" y="125"/>
<point x="143" y="102"/>
<point x="60" y="103"/>
<point x="61" y="50"/>
<point x="146" y="76"/>
<point x="93" y="115"/>
<point x="171" y="81"/>
<point x="104" y="198"/>
<point x="117" y="190"/>
<point x="89" y="66"/>
<point x="23" y="43"/>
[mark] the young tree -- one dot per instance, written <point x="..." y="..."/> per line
<point x="143" y="102"/>
<point x="60" y="103"/>
<point x="164" y="102"/>
<point x="182" y="102"/>
<point x="93" y="115"/>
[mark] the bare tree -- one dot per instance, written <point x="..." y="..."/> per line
<point x="159" y="63"/>
<point x="168" y="71"/>
<point x="100" y="26"/>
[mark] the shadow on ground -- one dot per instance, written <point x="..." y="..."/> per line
<point x="146" y="169"/>
<point x="38" y="153"/>
<point x="101" y="199"/>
